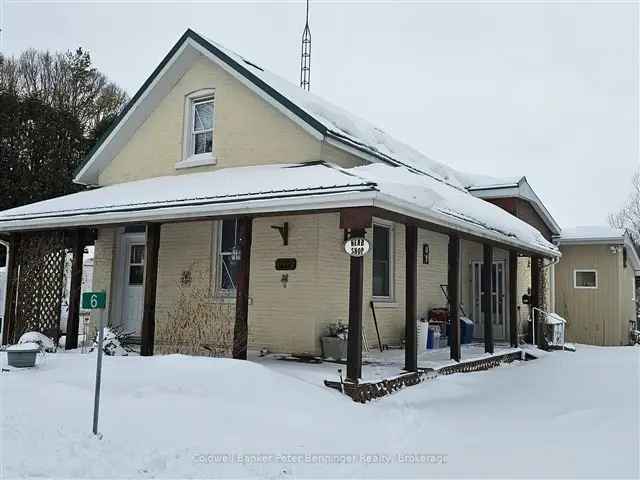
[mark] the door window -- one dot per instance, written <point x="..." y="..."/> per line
<point x="136" y="265"/>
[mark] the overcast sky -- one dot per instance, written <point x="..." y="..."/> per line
<point x="549" y="91"/>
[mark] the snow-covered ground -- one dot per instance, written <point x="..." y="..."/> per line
<point x="565" y="414"/>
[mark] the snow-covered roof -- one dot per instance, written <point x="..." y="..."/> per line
<point x="282" y="188"/>
<point x="590" y="234"/>
<point x="486" y="187"/>
<point x="328" y="121"/>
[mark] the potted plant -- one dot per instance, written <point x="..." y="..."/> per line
<point x="334" y="344"/>
<point x="23" y="354"/>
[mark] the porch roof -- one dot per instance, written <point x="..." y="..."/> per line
<point x="280" y="189"/>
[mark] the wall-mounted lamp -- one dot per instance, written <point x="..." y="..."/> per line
<point x="284" y="280"/>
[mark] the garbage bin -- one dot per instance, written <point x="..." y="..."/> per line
<point x="423" y="329"/>
<point x="466" y="330"/>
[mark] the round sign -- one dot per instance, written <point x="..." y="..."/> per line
<point x="356" y="246"/>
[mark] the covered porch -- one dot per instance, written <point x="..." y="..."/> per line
<point x="348" y="203"/>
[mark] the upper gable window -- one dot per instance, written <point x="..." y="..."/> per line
<point x="199" y="123"/>
<point x="202" y="127"/>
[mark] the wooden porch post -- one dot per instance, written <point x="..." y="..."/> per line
<point x="241" y="325"/>
<point x="73" y="320"/>
<point x="10" y="294"/>
<point x="513" y="297"/>
<point x="453" y="294"/>
<point x="354" y="342"/>
<point x="150" y="284"/>
<point x="487" y="287"/>
<point x="411" y="294"/>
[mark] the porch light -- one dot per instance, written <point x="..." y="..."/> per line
<point x="236" y="254"/>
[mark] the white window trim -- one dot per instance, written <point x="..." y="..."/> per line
<point x="392" y="261"/>
<point x="220" y="293"/>
<point x="586" y="270"/>
<point x="188" y="159"/>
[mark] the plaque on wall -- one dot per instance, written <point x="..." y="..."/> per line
<point x="286" y="264"/>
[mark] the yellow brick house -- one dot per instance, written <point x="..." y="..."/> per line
<point x="224" y="179"/>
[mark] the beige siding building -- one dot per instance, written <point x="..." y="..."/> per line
<point x="595" y="285"/>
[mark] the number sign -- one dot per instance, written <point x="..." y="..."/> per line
<point x="94" y="300"/>
<point x="356" y="247"/>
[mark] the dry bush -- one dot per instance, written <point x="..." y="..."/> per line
<point x="197" y="324"/>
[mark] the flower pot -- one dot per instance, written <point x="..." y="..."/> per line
<point x="23" y="355"/>
<point x="334" y="347"/>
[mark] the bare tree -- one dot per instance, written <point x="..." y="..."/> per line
<point x="628" y="217"/>
<point x="65" y="81"/>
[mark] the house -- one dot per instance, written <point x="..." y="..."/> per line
<point x="224" y="191"/>
<point x="596" y="284"/>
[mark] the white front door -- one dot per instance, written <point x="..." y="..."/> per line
<point x="498" y="300"/>
<point x="133" y="285"/>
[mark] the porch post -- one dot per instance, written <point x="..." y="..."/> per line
<point x="10" y="294"/>
<point x="150" y="284"/>
<point x="411" y="307"/>
<point x="487" y="287"/>
<point x="453" y="294"/>
<point x="513" y="297"/>
<point x="354" y="342"/>
<point x="241" y="325"/>
<point x="535" y="300"/>
<point x="73" y="320"/>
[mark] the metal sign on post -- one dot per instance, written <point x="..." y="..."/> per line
<point x="356" y="246"/>
<point x="97" y="301"/>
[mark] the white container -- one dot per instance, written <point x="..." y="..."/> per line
<point x="423" y="329"/>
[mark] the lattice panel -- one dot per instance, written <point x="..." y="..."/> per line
<point x="40" y="281"/>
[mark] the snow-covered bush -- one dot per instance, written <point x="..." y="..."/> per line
<point x="112" y="342"/>
<point x="44" y="342"/>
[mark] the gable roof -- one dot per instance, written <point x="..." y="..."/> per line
<point x="489" y="187"/>
<point x="321" y="118"/>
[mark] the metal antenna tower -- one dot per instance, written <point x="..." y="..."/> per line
<point x="305" y="59"/>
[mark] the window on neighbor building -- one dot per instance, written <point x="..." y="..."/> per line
<point x="382" y="261"/>
<point x="227" y="270"/>
<point x="585" y="279"/>
<point x="202" y="126"/>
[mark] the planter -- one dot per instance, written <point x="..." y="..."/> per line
<point x="334" y="347"/>
<point x="22" y="355"/>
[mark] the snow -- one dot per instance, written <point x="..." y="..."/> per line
<point x="396" y="188"/>
<point x="347" y="126"/>
<point x="563" y="415"/>
<point x="40" y="339"/>
<point x="591" y="232"/>
<point x="24" y="347"/>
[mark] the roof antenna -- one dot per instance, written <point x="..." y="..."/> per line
<point x="305" y="60"/>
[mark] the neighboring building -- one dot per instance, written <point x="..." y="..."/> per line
<point x="596" y="284"/>
<point x="223" y="182"/>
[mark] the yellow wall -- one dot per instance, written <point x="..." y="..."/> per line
<point x="247" y="131"/>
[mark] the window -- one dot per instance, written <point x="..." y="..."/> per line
<point x="227" y="269"/>
<point x="199" y="121"/>
<point x="3" y="256"/>
<point x="382" y="261"/>
<point x="202" y="127"/>
<point x="136" y="265"/>
<point x="585" y="279"/>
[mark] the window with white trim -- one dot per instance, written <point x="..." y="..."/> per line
<point x="202" y="127"/>
<point x="585" y="279"/>
<point x="382" y="281"/>
<point x="227" y="271"/>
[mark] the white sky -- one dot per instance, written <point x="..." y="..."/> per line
<point x="549" y="91"/>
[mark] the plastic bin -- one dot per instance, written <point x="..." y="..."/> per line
<point x="466" y="331"/>
<point x="433" y="339"/>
